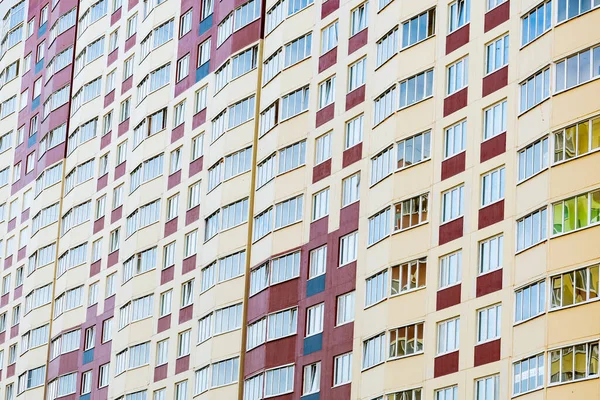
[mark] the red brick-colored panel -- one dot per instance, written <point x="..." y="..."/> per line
<point x="321" y="171"/>
<point x="270" y="354"/>
<point x="102" y="182"/>
<point x="129" y="43"/>
<point x="325" y="114"/>
<point x="456" y="101"/>
<point x="164" y="323"/>
<point x="492" y="147"/>
<point x="160" y="372"/>
<point x="491" y="214"/>
<point x="196" y="166"/>
<point x="115" y="17"/>
<point x="182" y="364"/>
<point x="174" y="180"/>
<point x="116" y="214"/>
<point x="3" y="337"/>
<point x="355" y="97"/>
<point x="11" y="224"/>
<point x="112" y="57"/>
<point x="18" y="292"/>
<point x="328" y="7"/>
<point x="98" y="225"/>
<point x="489" y="283"/>
<point x="177" y="133"/>
<point x="21" y="253"/>
<point x="95" y="268"/>
<point x="131" y="4"/>
<point x="352" y="155"/>
<point x="185" y="313"/>
<point x="274" y="298"/>
<point x="109" y="98"/>
<point x="105" y="140"/>
<point x="457" y="39"/>
<point x="123" y="128"/>
<point x="445" y="364"/>
<point x="453" y="165"/>
<point x="8" y="261"/>
<point x="171" y="227"/>
<point x="188" y="265"/>
<point x="199" y="118"/>
<point x="125" y="86"/>
<point x="319" y="228"/>
<point x="496" y="16"/>
<point x="448" y="297"/>
<point x="192" y="215"/>
<point x="4" y="300"/>
<point x="120" y="170"/>
<point x="495" y="81"/>
<point x="357" y="41"/>
<point x="25" y="215"/>
<point x="451" y="230"/>
<point x="10" y="370"/>
<point x="328" y="59"/>
<point x="113" y="259"/>
<point x="167" y="274"/>
<point x="349" y="218"/>
<point x="14" y="331"/>
<point x="486" y="353"/>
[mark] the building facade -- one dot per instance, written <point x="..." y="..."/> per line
<point x="299" y="199"/>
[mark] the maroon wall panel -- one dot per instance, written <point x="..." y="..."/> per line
<point x="448" y="297"/>
<point x="453" y="165"/>
<point x="357" y="41"/>
<point x="328" y="59"/>
<point x="321" y="171"/>
<point x="496" y="16"/>
<point x="456" y="101"/>
<point x="451" y="230"/>
<point x="491" y="214"/>
<point x="445" y="364"/>
<point x="325" y="114"/>
<point x="492" y="147"/>
<point x="355" y="97"/>
<point x="495" y="81"/>
<point x="352" y="155"/>
<point x="489" y="282"/>
<point x="486" y="353"/>
<point x="457" y="39"/>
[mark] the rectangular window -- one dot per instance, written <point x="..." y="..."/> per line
<point x="576" y="140"/>
<point x="536" y="22"/>
<point x="528" y="374"/>
<point x="329" y="37"/>
<point x="450" y="269"/>
<point x="532" y="229"/>
<point x="327" y="92"/>
<point x="345" y="309"/>
<point x="185" y="23"/>
<point x="285" y="268"/>
<point x="311" y="379"/>
<point x="449" y="393"/>
<point x="279" y="381"/>
<point x="379" y="226"/>
<point x="282" y="323"/>
<point x="294" y="103"/>
<point x="348" y="248"/>
<point x="413" y="150"/>
<point x="183" y="67"/>
<point x="488" y="388"/>
<point x="354" y="132"/>
<point x="359" y="18"/>
<point x="314" y="319"/>
<point x="406" y="341"/>
<point x="320" y="204"/>
<point x="298" y="49"/>
<point x="452" y="204"/>
<point x="382" y="165"/>
<point x="489" y="325"/>
<point x="496" y="54"/>
<point x="228" y="319"/>
<point x="534" y="158"/>
<point x="376" y="288"/>
<point x="418" y="28"/>
<point x="448" y="336"/>
<point x="357" y="74"/>
<point x="455" y="139"/>
<point x="225" y="372"/>
<point x="494" y="120"/>
<point x="292" y="157"/>
<point x="385" y="105"/>
<point x="458" y="76"/>
<point x="491" y="254"/>
<point x="492" y="187"/>
<point x="387" y="47"/>
<point x="574" y="287"/>
<point x="416" y="88"/>
<point x="351" y="189"/>
<point x="262" y="224"/>
<point x="288" y="212"/>
<point x="342" y="369"/>
<point x="411" y="212"/>
<point x="374" y="351"/>
<point x="408" y="276"/>
<point x="460" y="14"/>
<point x="272" y="66"/>
<point x="535" y="90"/>
<point x="530" y="301"/>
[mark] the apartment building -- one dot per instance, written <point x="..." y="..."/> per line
<point x="293" y="199"/>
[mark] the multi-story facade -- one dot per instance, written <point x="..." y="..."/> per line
<point x="373" y="200"/>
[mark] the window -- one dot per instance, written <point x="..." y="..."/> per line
<point x="320" y="206"/>
<point x="272" y="66"/>
<point x="492" y="187"/>
<point x="282" y="323"/>
<point x="448" y="336"/>
<point x="413" y="150"/>
<point x="329" y="37"/>
<point x="111" y="288"/>
<point x="408" y="276"/>
<point x="285" y="267"/>
<point x="107" y="330"/>
<point x="201" y="384"/>
<point x="193" y="195"/>
<point x="530" y="301"/>
<point x="382" y="165"/>
<point x="131" y="26"/>
<point x="406" y="341"/>
<point x="418" y="28"/>
<point x="376" y="288"/>
<point x="496" y="54"/>
<point x="379" y="226"/>
<point x="536" y="22"/>
<point x="279" y="381"/>
<point x="491" y="254"/>
<point x="488" y="388"/>
<point x="385" y="105"/>
<point x="225" y="372"/>
<point x="298" y="49"/>
<point x="327" y="92"/>
<point x="568" y="9"/>
<point x="489" y="324"/>
<point x="573" y="363"/>
<point x="534" y="158"/>
<point x="494" y="120"/>
<point x="311" y="379"/>
<point x="288" y="212"/>
<point x="185" y="23"/>
<point x="262" y="224"/>
<point x="181" y="390"/>
<point x="187" y="293"/>
<point x="458" y="76"/>
<point x="411" y="212"/>
<point x="205" y="328"/>
<point x="225" y="29"/>
<point x="345" y="309"/>
<point x="449" y="393"/>
<point x="292" y="157"/>
<point x="452" y="204"/>
<point x="228" y="319"/>
<point x="532" y="229"/>
<point x="351" y="189"/>
<point x="165" y="303"/>
<point x="172" y="207"/>
<point x="348" y="248"/>
<point x="183" y="67"/>
<point x="342" y="369"/>
<point x="535" y="90"/>
<point x="359" y="18"/>
<point x="460" y="14"/>
<point x="294" y="103"/>
<point x="374" y="351"/>
<point x="574" y="287"/>
<point x="207" y="8"/>
<point x="450" y="269"/>
<point x="528" y="374"/>
<point x="183" y="344"/>
<point x="387" y="46"/>
<point x="357" y="76"/>
<point x="314" y="319"/>
<point x="416" y="88"/>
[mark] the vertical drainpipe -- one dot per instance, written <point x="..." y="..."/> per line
<point x="60" y="202"/>
<point x="259" y="62"/>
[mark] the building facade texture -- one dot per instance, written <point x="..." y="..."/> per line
<point x="299" y="199"/>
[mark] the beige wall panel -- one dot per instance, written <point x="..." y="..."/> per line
<point x="581" y="390"/>
<point x="575" y="325"/>
<point x="529" y="337"/>
<point x="410" y="244"/>
<point x="574" y="249"/>
<point x="530" y="264"/>
<point x="532" y="194"/>
<point x="571" y="105"/>
<point x="534" y="123"/>
<point x="573" y="178"/>
<point x="405" y="309"/>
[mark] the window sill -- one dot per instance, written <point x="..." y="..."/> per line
<point x="491" y="203"/>
<point x="413" y="164"/>
<point x="489" y="272"/>
<point x="527" y="392"/>
<point x="493" y="136"/>
<point x="550" y="309"/>
<point x="406" y="356"/>
<point x="521" y="113"/>
<point x="496" y="6"/>
<point x="397" y="231"/>
<point x="587" y="378"/>
<point x="417" y="102"/>
<point x="531" y="246"/>
<point x="448" y="287"/>
<point x="376" y="303"/>
<point x="532" y="176"/>
<point x="405" y="292"/>
<point x="451" y="220"/>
